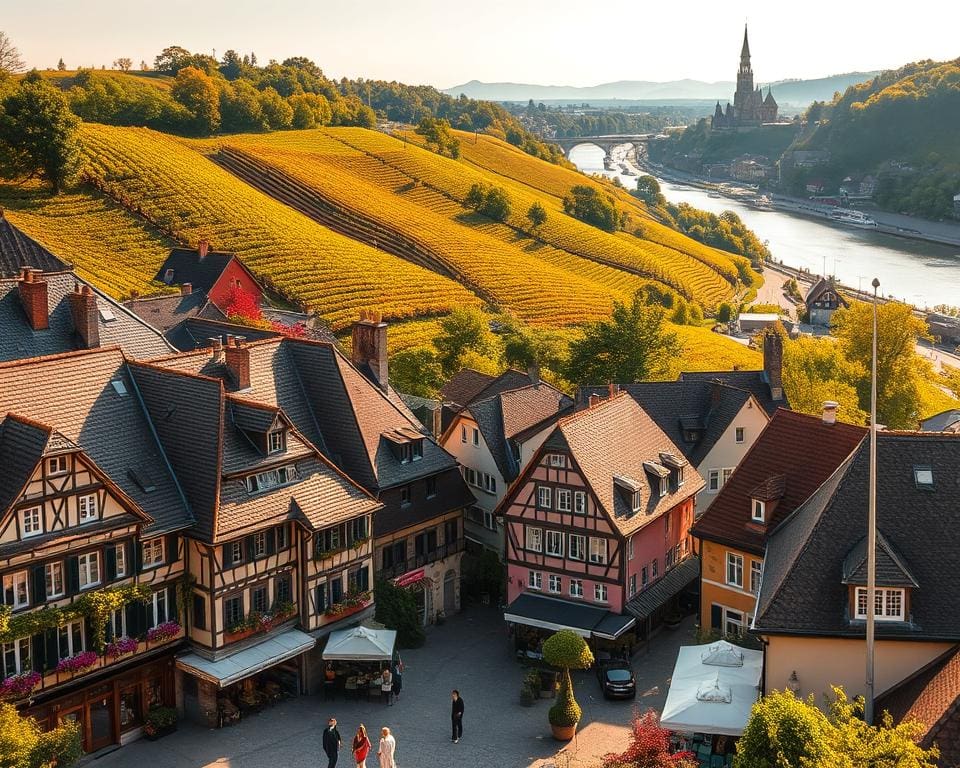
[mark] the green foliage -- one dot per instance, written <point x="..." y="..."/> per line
<point x="38" y="135"/>
<point x="277" y="113"/>
<point x="24" y="745"/>
<point x="491" y="201"/>
<point x="566" y="711"/>
<point x="525" y="346"/>
<point x="724" y="313"/>
<point x="439" y="136"/>
<point x="396" y="608"/>
<point x="537" y="215"/>
<point x="648" y="190"/>
<point x="567" y="650"/>
<point x="416" y="371"/>
<point x="588" y="205"/>
<point x="816" y="370"/>
<point x="726" y="232"/>
<point x="762" y="308"/>
<point x="462" y="331"/>
<point x="633" y="345"/>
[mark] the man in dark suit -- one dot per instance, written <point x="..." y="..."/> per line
<point x="331" y="742"/>
<point x="456" y="715"/>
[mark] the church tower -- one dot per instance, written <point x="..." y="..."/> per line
<point x="743" y="98"/>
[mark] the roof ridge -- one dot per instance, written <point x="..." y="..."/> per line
<point x="59" y="356"/>
<point x="569" y="419"/>
<point x="233" y="398"/>
<point x="152" y="365"/>
<point x="13" y="416"/>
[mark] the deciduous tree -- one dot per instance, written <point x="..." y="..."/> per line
<point x="462" y="331"/>
<point x="61" y="66"/>
<point x="587" y="204"/>
<point x="537" y="215"/>
<point x="196" y="91"/>
<point x="124" y="64"/>
<point x="649" y="747"/>
<point x="10" y="59"/>
<point x="24" y="745"/>
<point x="817" y="370"/>
<point x="417" y="372"/>
<point x="170" y="59"/>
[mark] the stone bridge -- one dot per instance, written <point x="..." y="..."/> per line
<point x="606" y="143"/>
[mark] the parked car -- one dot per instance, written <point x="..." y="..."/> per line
<point x="616" y="680"/>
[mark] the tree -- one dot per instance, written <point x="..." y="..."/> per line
<point x="899" y="368"/>
<point x="462" y="331"/>
<point x="724" y="313"/>
<point x="240" y="108"/>
<point x="38" y="135"/>
<point x="417" y="372"/>
<point x="567" y="650"/>
<point x="231" y="67"/>
<point x="196" y="91"/>
<point x="439" y="137"/>
<point x="588" y="205"/>
<point x="123" y="64"/>
<point x="170" y="59"/>
<point x="648" y="190"/>
<point x="24" y="745"/>
<point x="525" y="346"/>
<point x="10" y="60"/>
<point x="633" y="345"/>
<point x="537" y="215"/>
<point x="649" y="747"/>
<point x="61" y="66"/>
<point x="493" y="202"/>
<point x="276" y="112"/>
<point x="817" y="370"/>
<point x="396" y="608"/>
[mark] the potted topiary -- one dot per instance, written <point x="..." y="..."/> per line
<point x="567" y="650"/>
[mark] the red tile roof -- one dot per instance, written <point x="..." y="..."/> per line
<point x="803" y="450"/>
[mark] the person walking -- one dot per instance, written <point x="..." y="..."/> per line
<point x="361" y="747"/>
<point x="397" y="678"/>
<point x="456" y="715"/>
<point x="388" y="746"/>
<point x="386" y="686"/>
<point x="331" y="742"/>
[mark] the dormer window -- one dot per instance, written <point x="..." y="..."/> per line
<point x="664" y="486"/>
<point x="57" y="465"/>
<point x="412" y="451"/>
<point x="635" y="500"/>
<point x="923" y="478"/>
<point x="679" y="476"/>
<point x="264" y="481"/>
<point x="168" y="276"/>
<point x="888" y="604"/>
<point x="757" y="511"/>
<point x="276" y="441"/>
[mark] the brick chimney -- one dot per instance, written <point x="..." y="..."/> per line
<point x="370" y="347"/>
<point x="238" y="361"/>
<point x="86" y="320"/>
<point x="773" y="364"/>
<point x="533" y="373"/>
<point x="716" y="392"/>
<point x="216" y="348"/>
<point x="593" y="401"/>
<point x="186" y="289"/>
<point x="203" y="248"/>
<point x="830" y="411"/>
<point x="33" y="296"/>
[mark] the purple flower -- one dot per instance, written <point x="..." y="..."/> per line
<point x="18" y="686"/>
<point x="166" y="631"/>
<point x="77" y="663"/>
<point x="120" y="646"/>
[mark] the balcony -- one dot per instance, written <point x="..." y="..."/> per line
<point x="418" y="561"/>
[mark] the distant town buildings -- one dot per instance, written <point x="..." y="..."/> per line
<point x="750" y="106"/>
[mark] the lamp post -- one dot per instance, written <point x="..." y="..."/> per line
<point x="872" y="520"/>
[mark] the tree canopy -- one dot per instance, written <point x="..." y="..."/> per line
<point x="587" y="204"/>
<point x="461" y="332"/>
<point x="24" y="745"/>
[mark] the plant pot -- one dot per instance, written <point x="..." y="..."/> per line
<point x="161" y="732"/>
<point x="563" y="732"/>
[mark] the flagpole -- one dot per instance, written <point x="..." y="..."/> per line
<point x="872" y="521"/>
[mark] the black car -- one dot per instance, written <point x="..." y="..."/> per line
<point x="616" y="680"/>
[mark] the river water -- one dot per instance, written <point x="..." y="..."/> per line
<point x="918" y="272"/>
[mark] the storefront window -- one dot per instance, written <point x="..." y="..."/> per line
<point x="129" y="708"/>
<point x="154" y="693"/>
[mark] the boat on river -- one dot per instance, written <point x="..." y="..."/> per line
<point x="762" y="203"/>
<point x="852" y="218"/>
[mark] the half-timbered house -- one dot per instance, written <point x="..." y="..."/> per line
<point x="597" y="526"/>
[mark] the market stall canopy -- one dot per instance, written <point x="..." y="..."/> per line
<point x="550" y="613"/>
<point x="713" y="689"/>
<point x="249" y="661"/>
<point x="360" y="644"/>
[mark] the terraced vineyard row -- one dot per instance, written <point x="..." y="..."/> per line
<point x="186" y="195"/>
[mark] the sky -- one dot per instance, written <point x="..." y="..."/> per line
<point x="551" y="42"/>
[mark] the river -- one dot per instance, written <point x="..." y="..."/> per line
<point x="920" y="273"/>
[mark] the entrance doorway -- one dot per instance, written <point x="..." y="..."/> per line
<point x="450" y="593"/>
<point x="424" y="594"/>
<point x="101" y="722"/>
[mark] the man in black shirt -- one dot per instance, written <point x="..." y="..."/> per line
<point x="331" y="742"/>
<point x="457" y="716"/>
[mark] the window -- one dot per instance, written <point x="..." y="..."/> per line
<point x="153" y="552"/>
<point x="321" y="597"/>
<point x="733" y="623"/>
<point x="329" y="539"/>
<point x="463" y="434"/>
<point x="89" y="569"/>
<point x="451" y="531"/>
<point x="258" y="599"/>
<point x="417" y="447"/>
<point x="644" y="577"/>
<point x="598" y="550"/>
<point x="281" y="535"/>
<point x="404" y="495"/>
<point x="406" y="453"/>
<point x="283" y="591"/>
<point x="635" y="501"/>
<point x="120" y="558"/>
<point x="630" y="548"/>
<point x="232" y="611"/>
<point x="69" y="639"/>
<point x="738" y="434"/>
<point x="727" y="471"/>
<point x="888" y="604"/>
<point x="489" y="483"/>
<point x="16" y="590"/>
<point x="757" y="510"/>
<point x="734" y="569"/>
<point x="117" y="624"/>
<point x="555" y="584"/>
<point x="236" y="552"/>
<point x="489" y="522"/>
<point x="633" y="584"/>
<point x="563" y="500"/>
<point x="923" y="478"/>
<point x="534" y="539"/>
<point x="654" y="568"/>
<point x="576" y="588"/>
<point x="88" y="508"/>
<point x="357" y="529"/>
<point x="264" y="481"/>
<point x="276" y="441"/>
<point x="543" y="497"/>
<point x="157" y="608"/>
<point x="57" y="465"/>
<point x="199" y="612"/>
<point x="664" y="486"/>
<point x="679" y="476"/>
<point x="535" y="580"/>
<point x="431" y="487"/>
<point x="53" y="576"/>
<point x="558" y="460"/>
<point x="31" y="522"/>
<point x="756" y="571"/>
<point x="580" y="502"/>
<point x="476" y="436"/>
<point x="555" y="543"/>
<point x="713" y="480"/>
<point x="578" y="546"/>
<point x="16" y="657"/>
<point x="600" y="593"/>
<point x="259" y="544"/>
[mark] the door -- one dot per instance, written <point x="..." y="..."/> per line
<point x="449" y="593"/>
<point x="101" y="722"/>
<point x="76" y="716"/>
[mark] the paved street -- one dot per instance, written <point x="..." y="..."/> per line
<point x="471" y="653"/>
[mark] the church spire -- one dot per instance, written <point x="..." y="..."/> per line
<point x="745" y="51"/>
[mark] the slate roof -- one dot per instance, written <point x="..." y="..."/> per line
<point x="469" y="386"/>
<point x="22" y="446"/>
<point x="891" y="568"/>
<point x="660" y="592"/>
<point x="18" y="340"/>
<point x="945" y="421"/>
<point x="932" y="698"/>
<point x="168" y="310"/>
<point x="188" y="267"/>
<point x="819" y="288"/>
<point x="754" y="382"/>
<point x="74" y="394"/>
<point x="615" y="438"/>
<point x="195" y="333"/>
<point x="802" y="591"/>
<point x="677" y="406"/>
<point x="514" y="415"/>
<point x="18" y="251"/>
<point x="795" y="453"/>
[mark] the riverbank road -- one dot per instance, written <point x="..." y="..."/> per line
<point x="470" y="652"/>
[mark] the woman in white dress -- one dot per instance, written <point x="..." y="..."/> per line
<point x="388" y="745"/>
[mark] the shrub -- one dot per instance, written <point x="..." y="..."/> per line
<point x="567" y="650"/>
<point x="566" y="711"/>
<point x="724" y="313"/>
<point x="493" y="202"/>
<point x="649" y="747"/>
<point x="396" y="608"/>
<point x="586" y="203"/>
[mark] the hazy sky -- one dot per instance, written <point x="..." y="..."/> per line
<point x="562" y="42"/>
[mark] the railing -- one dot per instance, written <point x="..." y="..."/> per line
<point x="418" y="561"/>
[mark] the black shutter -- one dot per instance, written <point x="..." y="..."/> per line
<point x="271" y="541"/>
<point x="73" y="575"/>
<point x="173" y="610"/>
<point x="38" y="653"/>
<point x="336" y="592"/>
<point x="132" y="611"/>
<point x="88" y="644"/>
<point x="227" y="555"/>
<point x="52" y="655"/>
<point x="250" y="550"/>
<point x="173" y="548"/>
<point x="39" y="585"/>
<point x="199" y="612"/>
<point x="716" y="618"/>
<point x="363" y="578"/>
<point x="321" y="598"/>
<point x="138" y="555"/>
<point x="111" y="563"/>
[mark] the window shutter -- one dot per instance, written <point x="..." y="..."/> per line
<point x="134" y="613"/>
<point x="111" y="563"/>
<point x="173" y="609"/>
<point x="321" y="598"/>
<point x="227" y="555"/>
<point x="173" y="548"/>
<point x="138" y="555"/>
<point x="39" y="585"/>
<point x="73" y="575"/>
<point x="271" y="541"/>
<point x="250" y="550"/>
<point x="52" y="655"/>
<point x="716" y="617"/>
<point x="363" y="579"/>
<point x="88" y="644"/>
<point x="38" y="653"/>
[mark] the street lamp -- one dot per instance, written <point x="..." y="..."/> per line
<point x="872" y="520"/>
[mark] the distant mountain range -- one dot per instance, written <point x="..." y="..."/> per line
<point x="795" y="92"/>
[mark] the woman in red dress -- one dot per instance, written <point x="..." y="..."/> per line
<point x="361" y="747"/>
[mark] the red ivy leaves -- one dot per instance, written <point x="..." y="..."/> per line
<point x="649" y="746"/>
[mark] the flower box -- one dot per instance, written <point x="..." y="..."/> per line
<point x="160" y="722"/>
<point x="153" y="734"/>
<point x="120" y="647"/>
<point x="163" y="632"/>
<point x="19" y="686"/>
<point x="80" y="662"/>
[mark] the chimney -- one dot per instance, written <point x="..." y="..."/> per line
<point x="594" y="400"/>
<point x="830" y="411"/>
<point x="773" y="363"/>
<point x="33" y="296"/>
<point x="186" y="289"/>
<point x="612" y="390"/>
<point x="370" y="347"/>
<point x="716" y="392"/>
<point x="203" y="248"/>
<point x="216" y="348"/>
<point x="238" y="361"/>
<point x="533" y="371"/>
<point x="86" y="322"/>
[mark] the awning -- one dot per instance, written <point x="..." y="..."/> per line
<point x="551" y="613"/>
<point x="409" y="578"/>
<point x="660" y="592"/>
<point x="361" y="644"/>
<point x="249" y="661"/>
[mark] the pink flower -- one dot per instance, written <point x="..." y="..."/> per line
<point x="120" y="646"/>
<point x="78" y="662"/>
<point x="166" y="631"/>
<point x="18" y="686"/>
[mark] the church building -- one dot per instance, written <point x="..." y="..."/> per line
<point x="750" y="107"/>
